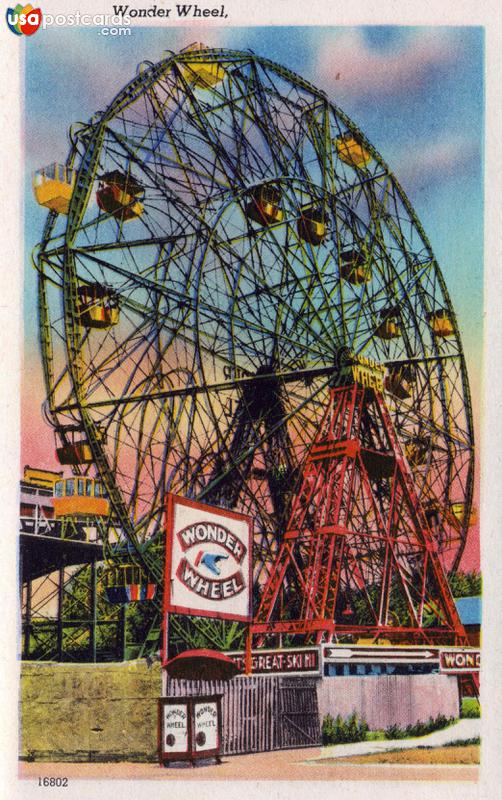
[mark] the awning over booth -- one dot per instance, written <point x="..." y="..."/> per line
<point x="202" y="665"/>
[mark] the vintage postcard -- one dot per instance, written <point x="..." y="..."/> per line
<point x="257" y="330"/>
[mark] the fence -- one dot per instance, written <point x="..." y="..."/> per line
<point x="261" y="713"/>
<point x="272" y="712"/>
<point x="385" y="700"/>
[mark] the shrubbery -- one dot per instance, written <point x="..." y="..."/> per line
<point x="465" y="584"/>
<point x="419" y="728"/>
<point x="340" y="731"/>
<point x="470" y="708"/>
<point x="355" y="729"/>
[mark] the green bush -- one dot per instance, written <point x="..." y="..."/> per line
<point x="375" y="736"/>
<point x="395" y="732"/>
<point x="340" y="731"/>
<point x="466" y="584"/>
<point x="470" y="708"/>
<point x="419" y="728"/>
<point x="464" y="742"/>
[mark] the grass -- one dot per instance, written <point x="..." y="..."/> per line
<point x="375" y="736"/>
<point x="462" y="742"/>
<point x="456" y="753"/>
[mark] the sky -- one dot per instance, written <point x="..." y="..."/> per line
<point x="416" y="92"/>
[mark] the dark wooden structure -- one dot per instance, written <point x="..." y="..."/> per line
<point x="261" y="713"/>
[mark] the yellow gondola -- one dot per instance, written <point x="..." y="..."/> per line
<point x="441" y="323"/>
<point x="389" y="327"/>
<point x="202" y="74"/>
<point x="417" y="450"/>
<point x="399" y="381"/>
<point x="351" y="152"/>
<point x="74" y="453"/>
<point x="120" y="195"/>
<point x="75" y="450"/>
<point x="459" y="509"/>
<point x="53" y="187"/>
<point x="264" y="205"/>
<point x="355" y="267"/>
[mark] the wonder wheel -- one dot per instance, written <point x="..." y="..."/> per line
<point x="221" y="238"/>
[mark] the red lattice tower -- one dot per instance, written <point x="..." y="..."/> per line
<point x="358" y="557"/>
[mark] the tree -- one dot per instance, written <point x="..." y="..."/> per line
<point x="466" y="584"/>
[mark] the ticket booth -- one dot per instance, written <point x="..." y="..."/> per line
<point x="189" y="729"/>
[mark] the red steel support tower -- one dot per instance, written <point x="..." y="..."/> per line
<point x="358" y="557"/>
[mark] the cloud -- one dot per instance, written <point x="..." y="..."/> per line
<point x="436" y="161"/>
<point x="362" y="70"/>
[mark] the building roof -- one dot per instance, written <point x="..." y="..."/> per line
<point x="469" y="609"/>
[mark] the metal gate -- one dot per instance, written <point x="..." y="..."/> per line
<point x="299" y="724"/>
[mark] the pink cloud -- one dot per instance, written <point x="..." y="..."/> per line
<point x="363" y="70"/>
<point x="437" y="160"/>
<point x="37" y="440"/>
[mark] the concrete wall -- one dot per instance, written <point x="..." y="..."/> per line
<point x="385" y="700"/>
<point x="89" y="712"/>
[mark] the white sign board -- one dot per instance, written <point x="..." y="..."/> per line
<point x="175" y="729"/>
<point x="206" y="726"/>
<point x="457" y="661"/>
<point x="208" y="561"/>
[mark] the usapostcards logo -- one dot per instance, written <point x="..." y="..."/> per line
<point x="25" y="20"/>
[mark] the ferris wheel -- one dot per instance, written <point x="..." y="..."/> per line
<point x="221" y="238"/>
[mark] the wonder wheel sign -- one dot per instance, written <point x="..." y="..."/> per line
<point x="208" y="561"/>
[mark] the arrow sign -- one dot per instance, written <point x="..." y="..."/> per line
<point x="334" y="653"/>
<point x="378" y="654"/>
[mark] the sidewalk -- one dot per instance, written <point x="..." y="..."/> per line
<point x="317" y="763"/>
<point x="460" y="731"/>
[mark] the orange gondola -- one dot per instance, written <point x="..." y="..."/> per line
<point x="80" y="497"/>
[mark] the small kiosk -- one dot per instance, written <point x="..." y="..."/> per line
<point x="189" y="729"/>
